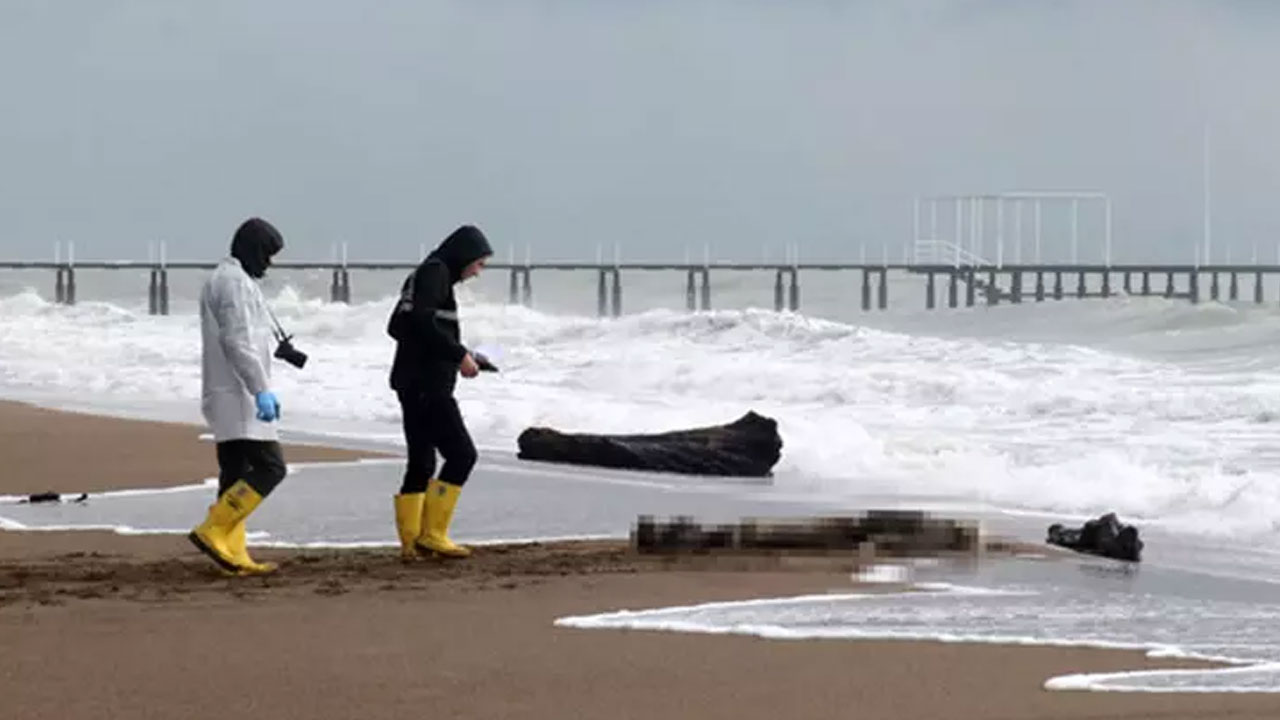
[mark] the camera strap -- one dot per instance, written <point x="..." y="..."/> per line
<point x="278" y="331"/>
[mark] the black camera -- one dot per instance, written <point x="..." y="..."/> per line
<point x="287" y="352"/>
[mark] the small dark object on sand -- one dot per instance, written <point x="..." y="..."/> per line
<point x="747" y="447"/>
<point x="1106" y="536"/>
<point x="44" y="497"/>
<point x="49" y="497"/>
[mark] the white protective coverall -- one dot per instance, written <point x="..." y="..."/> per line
<point x="236" y="354"/>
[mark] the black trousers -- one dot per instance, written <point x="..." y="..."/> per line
<point x="258" y="462"/>
<point x="433" y="422"/>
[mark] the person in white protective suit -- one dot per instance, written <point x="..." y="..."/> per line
<point x="236" y="398"/>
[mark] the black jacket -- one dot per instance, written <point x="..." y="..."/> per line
<point x="424" y="322"/>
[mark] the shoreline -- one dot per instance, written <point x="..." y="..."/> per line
<point x="67" y="597"/>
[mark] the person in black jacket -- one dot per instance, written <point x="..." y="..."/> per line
<point x="429" y="357"/>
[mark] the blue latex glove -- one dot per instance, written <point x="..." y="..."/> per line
<point x="268" y="406"/>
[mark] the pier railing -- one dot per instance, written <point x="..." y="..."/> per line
<point x="943" y="252"/>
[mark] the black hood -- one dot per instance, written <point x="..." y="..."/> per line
<point x="256" y="240"/>
<point x="463" y="247"/>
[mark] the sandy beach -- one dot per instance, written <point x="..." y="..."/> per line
<point x="98" y="625"/>
<point x="53" y="451"/>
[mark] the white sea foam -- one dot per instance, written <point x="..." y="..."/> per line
<point x="8" y="524"/>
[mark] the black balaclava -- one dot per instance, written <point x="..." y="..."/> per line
<point x="463" y="247"/>
<point x="256" y="240"/>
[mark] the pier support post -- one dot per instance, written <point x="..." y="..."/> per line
<point x="617" y="292"/>
<point x="1257" y="287"/>
<point x="335" y="287"/>
<point x="1213" y="286"/>
<point x="795" y="289"/>
<point x="993" y="293"/>
<point x="1081" y="289"/>
<point x="71" y="285"/>
<point x="513" y="291"/>
<point x="59" y="287"/>
<point x="1017" y="286"/>
<point x="164" y="291"/>
<point x="1106" y="283"/>
<point x="1233" y="292"/>
<point x="1039" y="286"/>
<point x="777" y="291"/>
<point x="1146" y="283"/>
<point x="153" y="293"/>
<point x="866" y="289"/>
<point x="1168" y="285"/>
<point x="882" y="298"/>
<point x="526" y="287"/>
<point x="1057" y="285"/>
<point x="1194" y="291"/>
<point x="706" y="288"/>
<point x="691" y="292"/>
<point x="953" y="289"/>
<point x="929" y="301"/>
<point x="602" y="292"/>
<point x="969" y="289"/>
<point x="1128" y="283"/>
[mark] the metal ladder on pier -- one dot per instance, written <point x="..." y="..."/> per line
<point x="933" y="251"/>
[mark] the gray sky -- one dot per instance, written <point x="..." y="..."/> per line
<point x="659" y="125"/>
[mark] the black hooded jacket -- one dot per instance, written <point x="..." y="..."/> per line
<point x="255" y="241"/>
<point x="424" y="322"/>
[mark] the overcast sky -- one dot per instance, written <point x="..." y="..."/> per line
<point x="660" y="125"/>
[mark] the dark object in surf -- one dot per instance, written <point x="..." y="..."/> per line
<point x="50" y="497"/>
<point x="748" y="447"/>
<point x="1106" y="536"/>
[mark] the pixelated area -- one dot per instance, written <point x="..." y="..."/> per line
<point x="877" y="532"/>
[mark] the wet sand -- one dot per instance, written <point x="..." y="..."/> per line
<point x="54" y="451"/>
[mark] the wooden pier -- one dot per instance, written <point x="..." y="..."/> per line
<point x="961" y="285"/>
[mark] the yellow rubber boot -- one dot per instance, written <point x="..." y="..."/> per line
<point x="409" y="523"/>
<point x="239" y="548"/>
<point x="437" y="514"/>
<point x="213" y="536"/>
